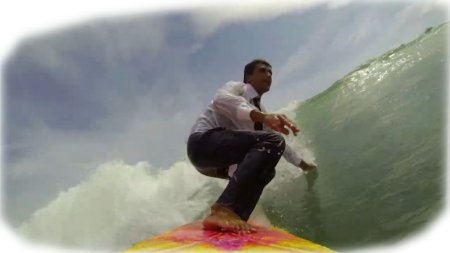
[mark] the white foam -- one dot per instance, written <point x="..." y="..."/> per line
<point x="121" y="204"/>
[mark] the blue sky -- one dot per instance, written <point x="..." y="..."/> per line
<point x="129" y="86"/>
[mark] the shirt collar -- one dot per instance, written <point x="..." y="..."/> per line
<point x="250" y="93"/>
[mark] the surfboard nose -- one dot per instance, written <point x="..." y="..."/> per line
<point x="193" y="238"/>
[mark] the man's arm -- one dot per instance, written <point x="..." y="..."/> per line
<point x="275" y="121"/>
<point x="279" y="122"/>
<point x="229" y="102"/>
<point x="292" y="157"/>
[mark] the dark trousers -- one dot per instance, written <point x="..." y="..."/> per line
<point x="256" y="153"/>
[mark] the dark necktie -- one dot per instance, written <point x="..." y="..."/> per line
<point x="256" y="101"/>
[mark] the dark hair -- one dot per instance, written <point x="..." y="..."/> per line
<point x="250" y="67"/>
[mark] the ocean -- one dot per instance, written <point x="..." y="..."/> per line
<point x="378" y="136"/>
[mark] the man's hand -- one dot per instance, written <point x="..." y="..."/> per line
<point x="277" y="122"/>
<point x="307" y="166"/>
<point x="287" y="122"/>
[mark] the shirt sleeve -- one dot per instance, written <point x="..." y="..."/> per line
<point x="229" y="102"/>
<point x="291" y="156"/>
<point x="289" y="153"/>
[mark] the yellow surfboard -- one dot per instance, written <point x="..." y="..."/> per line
<point x="193" y="238"/>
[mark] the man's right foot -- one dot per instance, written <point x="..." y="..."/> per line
<point x="220" y="222"/>
<point x="225" y="219"/>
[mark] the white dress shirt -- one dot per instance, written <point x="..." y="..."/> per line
<point x="231" y="109"/>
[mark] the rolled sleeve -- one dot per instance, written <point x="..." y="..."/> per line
<point x="243" y="112"/>
<point x="291" y="156"/>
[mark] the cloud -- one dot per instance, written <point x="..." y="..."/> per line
<point x="344" y="39"/>
<point x="17" y="22"/>
<point x="121" y="68"/>
<point x="155" y="131"/>
<point x="208" y="20"/>
<point x="363" y="33"/>
<point x="76" y="77"/>
<point x="420" y="8"/>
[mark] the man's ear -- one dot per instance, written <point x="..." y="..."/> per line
<point x="247" y="78"/>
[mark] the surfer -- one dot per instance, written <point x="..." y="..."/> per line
<point x="235" y="138"/>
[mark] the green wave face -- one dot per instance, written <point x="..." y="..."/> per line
<point x="378" y="135"/>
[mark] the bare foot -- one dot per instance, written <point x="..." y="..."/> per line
<point x="220" y="222"/>
<point x="224" y="218"/>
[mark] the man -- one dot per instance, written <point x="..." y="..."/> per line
<point x="236" y="139"/>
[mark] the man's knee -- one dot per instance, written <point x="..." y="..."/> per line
<point x="266" y="177"/>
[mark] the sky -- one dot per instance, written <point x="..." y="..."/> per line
<point x="87" y="84"/>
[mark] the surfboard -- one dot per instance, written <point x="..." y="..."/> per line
<point x="193" y="238"/>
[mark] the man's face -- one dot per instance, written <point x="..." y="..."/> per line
<point x="261" y="78"/>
